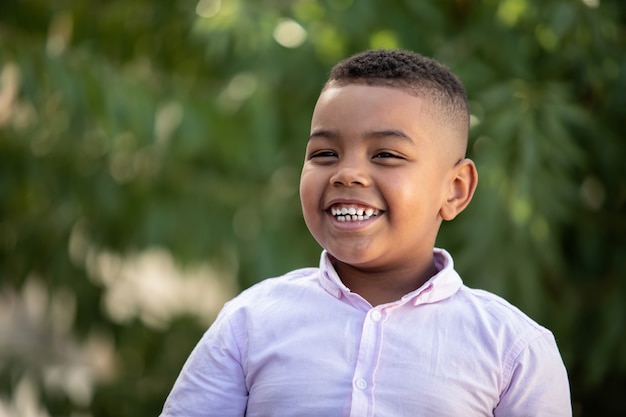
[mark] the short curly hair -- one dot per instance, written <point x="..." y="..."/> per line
<point x="416" y="74"/>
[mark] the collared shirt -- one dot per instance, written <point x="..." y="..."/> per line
<point x="304" y="345"/>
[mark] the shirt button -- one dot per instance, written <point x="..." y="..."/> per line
<point x="376" y="315"/>
<point x="360" y="383"/>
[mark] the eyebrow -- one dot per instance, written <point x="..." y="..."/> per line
<point x="373" y="134"/>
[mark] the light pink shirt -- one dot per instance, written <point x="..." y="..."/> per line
<point x="303" y="345"/>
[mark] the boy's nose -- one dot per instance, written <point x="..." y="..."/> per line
<point x="349" y="176"/>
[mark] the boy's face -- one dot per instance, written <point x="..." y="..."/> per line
<point x="377" y="171"/>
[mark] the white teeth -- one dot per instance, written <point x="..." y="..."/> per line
<point x="347" y="214"/>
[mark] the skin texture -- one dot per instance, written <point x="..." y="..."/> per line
<point x="384" y="149"/>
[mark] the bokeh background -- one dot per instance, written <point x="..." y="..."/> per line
<point x="149" y="160"/>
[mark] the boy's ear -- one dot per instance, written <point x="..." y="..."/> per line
<point x="461" y="190"/>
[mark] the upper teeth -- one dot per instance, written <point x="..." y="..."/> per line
<point x="350" y="213"/>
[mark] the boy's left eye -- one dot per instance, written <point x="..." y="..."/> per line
<point x="385" y="155"/>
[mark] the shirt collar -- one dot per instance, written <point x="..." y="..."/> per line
<point x="440" y="286"/>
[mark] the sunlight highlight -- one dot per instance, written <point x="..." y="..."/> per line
<point x="10" y="80"/>
<point x="152" y="287"/>
<point x="208" y="8"/>
<point x="59" y="33"/>
<point x="239" y="89"/>
<point x="510" y="11"/>
<point x="592" y="3"/>
<point x="36" y="323"/>
<point x="289" y="33"/>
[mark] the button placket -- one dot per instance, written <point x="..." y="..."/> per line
<point x="367" y="360"/>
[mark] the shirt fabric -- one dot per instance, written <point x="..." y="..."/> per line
<point x="304" y="345"/>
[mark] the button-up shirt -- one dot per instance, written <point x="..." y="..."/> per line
<point x="304" y="345"/>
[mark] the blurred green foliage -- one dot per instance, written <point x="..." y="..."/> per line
<point x="180" y="125"/>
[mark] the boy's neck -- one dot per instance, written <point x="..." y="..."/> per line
<point x="388" y="285"/>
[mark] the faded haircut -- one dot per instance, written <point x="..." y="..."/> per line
<point x="414" y="73"/>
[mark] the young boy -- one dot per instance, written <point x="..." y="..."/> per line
<point x="384" y="326"/>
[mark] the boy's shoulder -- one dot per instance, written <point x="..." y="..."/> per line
<point x="493" y="309"/>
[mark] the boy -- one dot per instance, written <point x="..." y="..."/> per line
<point x="384" y="326"/>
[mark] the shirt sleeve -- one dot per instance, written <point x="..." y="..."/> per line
<point x="212" y="381"/>
<point x="539" y="385"/>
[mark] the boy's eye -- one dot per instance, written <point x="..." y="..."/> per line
<point x="323" y="154"/>
<point x="386" y="155"/>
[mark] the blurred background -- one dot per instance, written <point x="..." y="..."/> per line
<point x="149" y="160"/>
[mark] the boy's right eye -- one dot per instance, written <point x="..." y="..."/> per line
<point x="323" y="154"/>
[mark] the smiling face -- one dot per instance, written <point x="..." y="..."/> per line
<point x="378" y="172"/>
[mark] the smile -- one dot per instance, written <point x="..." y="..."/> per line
<point x="349" y="213"/>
